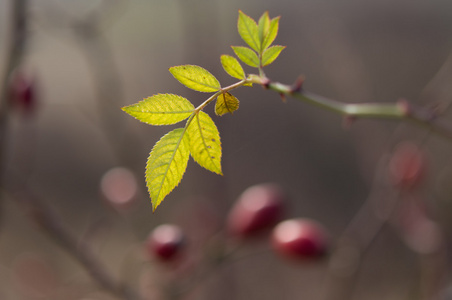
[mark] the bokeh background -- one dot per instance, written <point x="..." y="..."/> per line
<point x="353" y="51"/>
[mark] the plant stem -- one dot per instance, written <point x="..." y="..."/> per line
<point x="223" y="90"/>
<point x="401" y="110"/>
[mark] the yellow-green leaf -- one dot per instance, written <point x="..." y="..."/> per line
<point x="270" y="54"/>
<point x="226" y="103"/>
<point x="264" y="27"/>
<point x="248" y="30"/>
<point x="246" y="55"/>
<point x="272" y="33"/>
<point x="166" y="165"/>
<point x="205" y="145"/>
<point x="232" y="66"/>
<point x="196" y="78"/>
<point x="161" y="109"/>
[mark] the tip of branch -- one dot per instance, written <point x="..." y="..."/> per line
<point x="404" y="106"/>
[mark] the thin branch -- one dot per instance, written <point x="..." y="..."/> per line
<point x="43" y="217"/>
<point x="14" y="57"/>
<point x="357" y="238"/>
<point x="401" y="110"/>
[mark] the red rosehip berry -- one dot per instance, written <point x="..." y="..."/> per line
<point x="408" y="165"/>
<point x="259" y="207"/>
<point x="165" y="242"/>
<point x="22" y="92"/>
<point x="302" y="239"/>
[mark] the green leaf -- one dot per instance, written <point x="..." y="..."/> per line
<point x="246" y="55"/>
<point x="205" y="145"/>
<point x="248" y="30"/>
<point x="271" y="54"/>
<point x="166" y="165"/>
<point x="232" y="66"/>
<point x="196" y="78"/>
<point x="161" y="109"/>
<point x="272" y="33"/>
<point x="226" y="103"/>
<point x="264" y="26"/>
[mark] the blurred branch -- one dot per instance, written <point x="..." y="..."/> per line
<point x="38" y="212"/>
<point x="13" y="58"/>
<point x="43" y="217"/>
<point x="356" y="240"/>
<point x="14" y="55"/>
<point x="106" y="78"/>
<point x="89" y="29"/>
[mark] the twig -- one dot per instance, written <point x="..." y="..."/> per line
<point x="401" y="110"/>
<point x="42" y="215"/>
<point x="106" y="76"/>
<point x="356" y="240"/>
<point x="13" y="59"/>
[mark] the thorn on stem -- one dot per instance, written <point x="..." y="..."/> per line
<point x="348" y="121"/>
<point x="265" y="83"/>
<point x="297" y="86"/>
<point x="283" y="97"/>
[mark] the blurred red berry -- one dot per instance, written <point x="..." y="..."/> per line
<point x="22" y="92"/>
<point x="119" y="187"/>
<point x="259" y="207"/>
<point x="165" y="242"/>
<point x="300" y="239"/>
<point x="408" y="165"/>
<point x="420" y="233"/>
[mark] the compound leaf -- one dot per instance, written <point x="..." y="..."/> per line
<point x="264" y="27"/>
<point x="205" y="145"/>
<point x="246" y="55"/>
<point x="232" y="66"/>
<point x="272" y="33"/>
<point x="270" y="54"/>
<point x="196" y="78"/>
<point x="226" y="103"/>
<point x="161" y="109"/>
<point x="248" y="30"/>
<point x="166" y="165"/>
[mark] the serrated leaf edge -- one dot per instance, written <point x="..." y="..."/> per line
<point x="233" y="72"/>
<point x="226" y="104"/>
<point x="198" y="125"/>
<point x="251" y="51"/>
<point x="129" y="108"/>
<point x="211" y="88"/>
<point x="154" y="201"/>
<point x="255" y="43"/>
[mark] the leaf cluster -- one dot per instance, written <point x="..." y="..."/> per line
<point x="199" y="138"/>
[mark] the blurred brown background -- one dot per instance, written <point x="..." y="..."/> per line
<point x="353" y="51"/>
